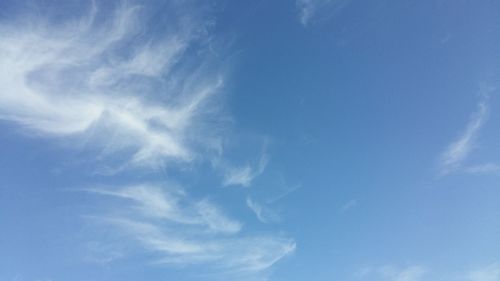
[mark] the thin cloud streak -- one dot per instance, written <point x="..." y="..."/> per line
<point x="486" y="273"/>
<point x="351" y="204"/>
<point x="392" y="273"/>
<point x="306" y="10"/>
<point x="411" y="273"/>
<point x="489" y="272"/>
<point x="263" y="213"/>
<point x="458" y="151"/>
<point x="488" y="168"/>
<point x="171" y="204"/>
<point x="244" y="176"/>
<point x="179" y="230"/>
<point x="309" y="9"/>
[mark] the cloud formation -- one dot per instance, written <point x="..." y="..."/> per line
<point x="145" y="98"/>
<point x="392" y="273"/>
<point x="244" y="176"/>
<point x="106" y="81"/>
<point x="263" y="213"/>
<point x="458" y="151"/>
<point x="308" y="9"/>
<point x="165" y="222"/>
<point x="489" y="272"/>
<point x="410" y="273"/>
<point x="488" y="168"/>
<point x="349" y="205"/>
<point x="486" y="273"/>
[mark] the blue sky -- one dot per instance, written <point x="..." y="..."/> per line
<point x="249" y="140"/>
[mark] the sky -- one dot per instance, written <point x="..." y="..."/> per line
<point x="294" y="140"/>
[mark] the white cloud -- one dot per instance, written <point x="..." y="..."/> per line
<point x="171" y="204"/>
<point x="179" y="230"/>
<point x="392" y="273"/>
<point x="143" y="99"/>
<point x="238" y="176"/>
<point x="489" y="168"/>
<point x="308" y="9"/>
<point x="263" y="213"/>
<point x="244" y="175"/>
<point x="458" y="151"/>
<point x="410" y="273"/>
<point x="487" y="273"/>
<point x="75" y="79"/>
<point x="349" y="205"/>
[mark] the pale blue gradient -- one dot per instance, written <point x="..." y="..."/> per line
<point x="321" y="152"/>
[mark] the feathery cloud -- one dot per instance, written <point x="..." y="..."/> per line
<point x="410" y="273"/>
<point x="392" y="273"/>
<point x="308" y="9"/>
<point x="263" y="213"/>
<point x="145" y="99"/>
<point x="487" y="273"/>
<point x="348" y="205"/>
<point x="107" y="81"/>
<point x="244" y="175"/>
<point x="457" y="152"/>
<point x="170" y="204"/>
<point x="179" y="230"/>
<point x="488" y="168"/>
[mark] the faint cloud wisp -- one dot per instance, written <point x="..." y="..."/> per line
<point x="308" y="9"/>
<point x="458" y="151"/>
<point x="165" y="222"/>
<point x="142" y="99"/>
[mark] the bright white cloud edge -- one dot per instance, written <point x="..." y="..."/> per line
<point x="74" y="82"/>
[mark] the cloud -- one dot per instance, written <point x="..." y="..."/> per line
<point x="244" y="175"/>
<point x="175" y="229"/>
<point x="238" y="176"/>
<point x="106" y="81"/>
<point x="458" y="151"/>
<point x="170" y="205"/>
<point x="348" y="206"/>
<point x="487" y="273"/>
<point x="391" y="273"/>
<point x="143" y="97"/>
<point x="410" y="273"/>
<point x="308" y="9"/>
<point x="263" y="213"/>
<point x="489" y="168"/>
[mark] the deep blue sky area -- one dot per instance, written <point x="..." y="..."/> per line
<point x="250" y="140"/>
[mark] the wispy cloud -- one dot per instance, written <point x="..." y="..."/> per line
<point x="487" y="273"/>
<point x="392" y="273"/>
<point x="244" y="175"/>
<point x="170" y="205"/>
<point x="488" y="168"/>
<point x="263" y="213"/>
<point x="410" y="273"/>
<point x="348" y="206"/>
<point x="76" y="79"/>
<point x="164" y="221"/>
<point x="308" y="9"/>
<point x="458" y="151"/>
<point x="143" y="99"/>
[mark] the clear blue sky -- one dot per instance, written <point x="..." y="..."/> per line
<point x="310" y="140"/>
